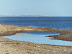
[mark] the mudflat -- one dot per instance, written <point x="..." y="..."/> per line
<point x="8" y="46"/>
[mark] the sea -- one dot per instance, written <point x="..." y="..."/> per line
<point x="44" y="22"/>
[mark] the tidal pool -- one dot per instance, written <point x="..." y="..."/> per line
<point x="39" y="37"/>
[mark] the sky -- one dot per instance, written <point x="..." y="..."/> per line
<point x="36" y="7"/>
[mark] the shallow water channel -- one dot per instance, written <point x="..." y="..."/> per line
<point x="39" y="37"/>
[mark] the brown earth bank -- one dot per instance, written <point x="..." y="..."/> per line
<point x="12" y="29"/>
<point x="8" y="46"/>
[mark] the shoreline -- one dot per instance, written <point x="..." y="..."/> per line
<point x="7" y="46"/>
<point x="23" y="47"/>
<point x="13" y="29"/>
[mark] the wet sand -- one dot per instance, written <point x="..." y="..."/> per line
<point x="8" y="46"/>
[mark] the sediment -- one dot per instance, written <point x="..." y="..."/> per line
<point x="13" y="29"/>
<point x="8" y="46"/>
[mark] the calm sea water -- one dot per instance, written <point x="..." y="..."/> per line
<point x="39" y="37"/>
<point x="50" y="22"/>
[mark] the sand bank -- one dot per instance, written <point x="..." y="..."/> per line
<point x="8" y="46"/>
<point x="12" y="29"/>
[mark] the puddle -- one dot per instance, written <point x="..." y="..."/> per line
<point x="39" y="37"/>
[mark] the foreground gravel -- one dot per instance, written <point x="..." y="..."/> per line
<point x="8" y="46"/>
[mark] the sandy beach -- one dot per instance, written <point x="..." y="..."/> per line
<point x="8" y="46"/>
